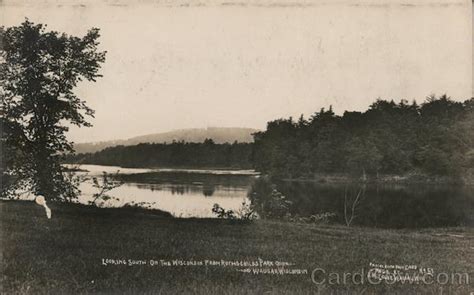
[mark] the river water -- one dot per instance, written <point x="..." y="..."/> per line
<point x="181" y="192"/>
<point x="193" y="192"/>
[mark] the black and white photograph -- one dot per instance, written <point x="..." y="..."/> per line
<point x="236" y="147"/>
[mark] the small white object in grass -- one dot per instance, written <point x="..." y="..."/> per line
<point x="40" y="200"/>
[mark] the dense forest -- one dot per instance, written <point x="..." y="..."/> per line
<point x="176" y="154"/>
<point x="434" y="138"/>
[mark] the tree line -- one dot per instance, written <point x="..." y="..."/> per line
<point x="435" y="138"/>
<point x="176" y="154"/>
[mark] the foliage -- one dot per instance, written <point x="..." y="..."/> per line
<point x="39" y="71"/>
<point x="74" y="179"/>
<point x="104" y="184"/>
<point x="222" y="213"/>
<point x="245" y="212"/>
<point x="175" y="154"/>
<point x="434" y="138"/>
<point x="267" y="201"/>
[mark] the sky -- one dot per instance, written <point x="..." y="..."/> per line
<point x="196" y="64"/>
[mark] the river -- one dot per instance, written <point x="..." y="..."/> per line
<point x="193" y="192"/>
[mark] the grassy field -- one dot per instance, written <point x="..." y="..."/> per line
<point x="66" y="255"/>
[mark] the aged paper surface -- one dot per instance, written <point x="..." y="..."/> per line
<point x="236" y="147"/>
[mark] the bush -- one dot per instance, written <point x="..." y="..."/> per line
<point x="222" y="213"/>
<point x="245" y="212"/>
<point x="267" y="201"/>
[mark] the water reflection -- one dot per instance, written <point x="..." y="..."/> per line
<point x="388" y="206"/>
<point x="183" y="189"/>
<point x="190" y="194"/>
<point x="182" y="193"/>
<point x="208" y="190"/>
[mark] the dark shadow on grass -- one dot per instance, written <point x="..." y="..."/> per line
<point x="75" y="209"/>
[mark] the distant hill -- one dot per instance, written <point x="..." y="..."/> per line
<point x="218" y="134"/>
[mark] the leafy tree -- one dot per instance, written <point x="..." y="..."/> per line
<point x="442" y="140"/>
<point x="39" y="71"/>
<point x="363" y="157"/>
<point x="434" y="138"/>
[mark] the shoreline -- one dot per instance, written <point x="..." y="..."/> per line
<point x="407" y="179"/>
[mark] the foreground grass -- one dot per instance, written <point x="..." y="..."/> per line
<point x="64" y="255"/>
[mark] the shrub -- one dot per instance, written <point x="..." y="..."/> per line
<point x="267" y="201"/>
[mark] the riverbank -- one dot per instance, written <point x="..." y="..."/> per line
<point x="81" y="250"/>
<point x="409" y="178"/>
